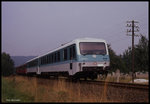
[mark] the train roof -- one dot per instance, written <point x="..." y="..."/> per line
<point x="70" y="43"/>
<point x="90" y="40"/>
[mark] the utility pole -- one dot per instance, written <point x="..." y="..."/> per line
<point x="133" y="26"/>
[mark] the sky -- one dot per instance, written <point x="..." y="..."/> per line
<point x="35" y="28"/>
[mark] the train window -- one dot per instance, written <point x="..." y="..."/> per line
<point x="72" y="52"/>
<point x="88" y="48"/>
<point x="55" y="57"/>
<point x="36" y="62"/>
<point x="33" y="63"/>
<point x="43" y="60"/>
<point x="58" y="56"/>
<point x="65" y="54"/>
<point x="52" y="58"/>
<point x="48" y="58"/>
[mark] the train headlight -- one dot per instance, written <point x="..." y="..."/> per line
<point x="95" y="63"/>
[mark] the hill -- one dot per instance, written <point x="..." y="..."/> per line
<point x="19" y="60"/>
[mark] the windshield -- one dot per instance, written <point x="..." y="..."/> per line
<point x="92" y="48"/>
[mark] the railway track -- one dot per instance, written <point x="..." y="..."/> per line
<point x="99" y="90"/>
<point x="102" y="83"/>
<point x="118" y="84"/>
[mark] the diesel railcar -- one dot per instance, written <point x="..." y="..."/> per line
<point x="84" y="57"/>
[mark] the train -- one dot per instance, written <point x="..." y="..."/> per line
<point x="79" y="58"/>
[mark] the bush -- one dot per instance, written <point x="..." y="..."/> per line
<point x="7" y="65"/>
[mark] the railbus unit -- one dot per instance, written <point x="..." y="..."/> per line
<point x="84" y="57"/>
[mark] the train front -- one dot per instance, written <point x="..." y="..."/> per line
<point x="93" y="59"/>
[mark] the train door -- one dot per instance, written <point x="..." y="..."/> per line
<point x="37" y="67"/>
<point x="71" y="67"/>
<point x="38" y="71"/>
<point x="72" y="56"/>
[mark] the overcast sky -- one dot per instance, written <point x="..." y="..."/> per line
<point x="34" y="28"/>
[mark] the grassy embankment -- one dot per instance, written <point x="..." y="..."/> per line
<point x="24" y="89"/>
<point x="31" y="89"/>
<point x="10" y="92"/>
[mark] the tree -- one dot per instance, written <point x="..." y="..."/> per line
<point x="142" y="54"/>
<point x="127" y="55"/>
<point x="7" y="65"/>
<point x="112" y="57"/>
<point x="116" y="62"/>
<point x="141" y="62"/>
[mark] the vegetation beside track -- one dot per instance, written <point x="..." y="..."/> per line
<point x="32" y="89"/>
<point x="10" y="93"/>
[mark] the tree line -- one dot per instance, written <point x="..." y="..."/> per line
<point x="7" y="65"/>
<point x="122" y="62"/>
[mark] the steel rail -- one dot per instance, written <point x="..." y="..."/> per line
<point x="114" y="84"/>
<point x="118" y="84"/>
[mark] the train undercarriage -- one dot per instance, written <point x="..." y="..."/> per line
<point x="91" y="73"/>
<point x="86" y="73"/>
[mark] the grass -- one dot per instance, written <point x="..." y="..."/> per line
<point x="11" y="94"/>
<point x="121" y="79"/>
<point x="31" y="89"/>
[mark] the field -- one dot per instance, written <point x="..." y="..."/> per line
<point x="31" y="89"/>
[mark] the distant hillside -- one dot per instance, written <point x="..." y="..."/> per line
<point x="19" y="60"/>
